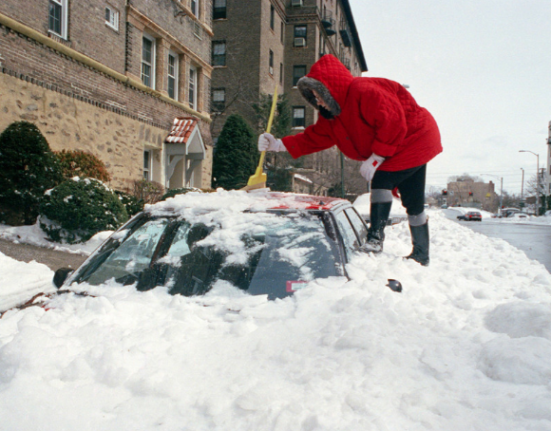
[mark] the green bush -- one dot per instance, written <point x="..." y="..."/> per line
<point x="131" y="203"/>
<point x="235" y="156"/>
<point x="77" y="209"/>
<point x="78" y="163"/>
<point x="27" y="169"/>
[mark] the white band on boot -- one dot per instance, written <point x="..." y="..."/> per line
<point x="417" y="220"/>
<point x="381" y="195"/>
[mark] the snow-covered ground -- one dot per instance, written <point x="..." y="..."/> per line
<point x="465" y="346"/>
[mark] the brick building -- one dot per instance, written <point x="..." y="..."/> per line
<point x="470" y="193"/>
<point x="259" y="44"/>
<point x="115" y="78"/>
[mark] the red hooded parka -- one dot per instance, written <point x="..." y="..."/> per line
<point x="377" y="116"/>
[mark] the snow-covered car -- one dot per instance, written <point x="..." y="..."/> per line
<point x="470" y="216"/>
<point x="262" y="243"/>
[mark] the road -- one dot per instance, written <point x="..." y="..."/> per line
<point x="52" y="258"/>
<point x="534" y="240"/>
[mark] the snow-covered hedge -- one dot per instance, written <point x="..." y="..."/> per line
<point x="77" y="209"/>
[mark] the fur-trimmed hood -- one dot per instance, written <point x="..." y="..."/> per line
<point x="331" y="79"/>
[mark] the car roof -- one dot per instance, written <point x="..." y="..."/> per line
<point x="252" y="201"/>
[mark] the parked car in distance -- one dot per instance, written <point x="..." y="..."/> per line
<point x="271" y="245"/>
<point x="470" y="216"/>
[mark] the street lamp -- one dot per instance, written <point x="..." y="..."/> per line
<point x="522" y="186"/>
<point x="537" y="180"/>
<point x="501" y="193"/>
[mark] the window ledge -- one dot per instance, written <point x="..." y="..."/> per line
<point x="115" y="29"/>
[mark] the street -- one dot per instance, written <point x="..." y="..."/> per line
<point x="534" y="240"/>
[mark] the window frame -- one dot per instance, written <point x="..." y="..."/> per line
<point x="147" y="165"/>
<point x="221" y="43"/>
<point x="63" y="19"/>
<point x="271" y="62"/>
<point x="218" y="106"/>
<point x="113" y="13"/>
<point x="293" y="118"/>
<point x="152" y="65"/>
<point x="295" y="76"/>
<point x="175" y="56"/>
<point x="192" y="87"/>
<point x="222" y="10"/>
<point x="195" y="4"/>
<point x="297" y="35"/>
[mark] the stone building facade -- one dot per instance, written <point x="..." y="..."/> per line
<point x="110" y="77"/>
<point x="259" y="44"/>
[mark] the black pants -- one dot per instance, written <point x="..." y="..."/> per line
<point x="410" y="183"/>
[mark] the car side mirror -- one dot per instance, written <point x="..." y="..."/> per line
<point x="61" y="275"/>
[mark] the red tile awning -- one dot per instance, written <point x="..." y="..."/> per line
<point x="181" y="130"/>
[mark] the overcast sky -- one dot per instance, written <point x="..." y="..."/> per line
<point x="483" y="69"/>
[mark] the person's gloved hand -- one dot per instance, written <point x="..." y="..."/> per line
<point x="368" y="168"/>
<point x="267" y="142"/>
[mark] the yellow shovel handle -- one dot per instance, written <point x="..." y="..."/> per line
<point x="270" y="121"/>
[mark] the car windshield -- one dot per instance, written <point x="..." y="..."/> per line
<point x="279" y="253"/>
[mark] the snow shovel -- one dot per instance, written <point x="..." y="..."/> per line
<point x="258" y="180"/>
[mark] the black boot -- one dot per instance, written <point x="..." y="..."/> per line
<point x="378" y="220"/>
<point x="420" y="240"/>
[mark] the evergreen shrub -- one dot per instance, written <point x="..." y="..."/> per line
<point x="28" y="168"/>
<point x="131" y="203"/>
<point x="78" y="163"/>
<point x="77" y="209"/>
<point x="235" y="155"/>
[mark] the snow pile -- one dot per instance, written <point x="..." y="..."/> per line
<point x="33" y="235"/>
<point x="465" y="346"/>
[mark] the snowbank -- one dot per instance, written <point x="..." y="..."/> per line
<point x="465" y="346"/>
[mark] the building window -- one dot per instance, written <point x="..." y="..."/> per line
<point x="271" y="63"/>
<point x="282" y="32"/>
<point x="195" y="7"/>
<point x="192" y="88"/>
<point x="218" y="99"/>
<point x="299" y="116"/>
<point x="173" y="75"/>
<point x="272" y="17"/>
<point x="148" y="61"/>
<point x="300" y="35"/>
<point x="57" y="20"/>
<point x="298" y="72"/>
<point x="147" y="173"/>
<point x="112" y="18"/>
<point x="281" y="73"/>
<point x="219" y="53"/>
<point x="219" y="9"/>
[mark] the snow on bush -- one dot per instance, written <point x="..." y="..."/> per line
<point x="77" y="209"/>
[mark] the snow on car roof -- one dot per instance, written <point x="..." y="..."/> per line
<point x="239" y="201"/>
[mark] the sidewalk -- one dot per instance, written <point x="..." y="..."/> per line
<point x="52" y="258"/>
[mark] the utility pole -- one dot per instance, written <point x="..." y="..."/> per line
<point x="537" y="179"/>
<point x="522" y="186"/>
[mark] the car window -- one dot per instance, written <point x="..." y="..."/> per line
<point x="358" y="224"/>
<point x="349" y="238"/>
<point x="128" y="260"/>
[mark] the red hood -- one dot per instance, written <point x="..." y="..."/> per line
<point x="334" y="75"/>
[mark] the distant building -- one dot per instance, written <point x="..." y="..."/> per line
<point x="113" y="78"/>
<point x="468" y="193"/>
